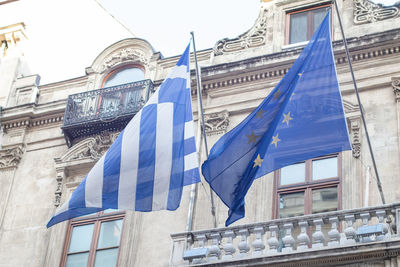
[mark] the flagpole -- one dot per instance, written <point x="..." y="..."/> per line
<point x="378" y="181"/>
<point x="200" y="103"/>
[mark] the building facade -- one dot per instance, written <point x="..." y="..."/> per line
<point x="324" y="211"/>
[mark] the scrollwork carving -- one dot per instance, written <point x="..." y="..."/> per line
<point x="124" y="55"/>
<point x="252" y="38"/>
<point x="355" y="125"/>
<point x="366" y="11"/>
<point x="396" y="87"/>
<point x="10" y="157"/>
<point x="216" y="123"/>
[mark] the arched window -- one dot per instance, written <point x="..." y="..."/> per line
<point x="126" y="74"/>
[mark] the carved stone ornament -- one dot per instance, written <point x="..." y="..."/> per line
<point x="126" y="54"/>
<point x="355" y="125"/>
<point x="252" y="38"/>
<point x="10" y="157"/>
<point x="366" y="11"/>
<point x="95" y="147"/>
<point x="216" y="123"/>
<point x="396" y="87"/>
<point x="88" y="150"/>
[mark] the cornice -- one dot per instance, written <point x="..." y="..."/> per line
<point x="277" y="64"/>
<point x="32" y="115"/>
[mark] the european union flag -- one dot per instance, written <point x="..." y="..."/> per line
<point x="301" y="118"/>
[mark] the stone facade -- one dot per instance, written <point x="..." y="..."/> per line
<point x="38" y="171"/>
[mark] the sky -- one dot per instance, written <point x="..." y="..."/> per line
<point x="167" y="24"/>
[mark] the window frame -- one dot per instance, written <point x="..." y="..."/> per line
<point x="120" y="68"/>
<point x="309" y="26"/>
<point x="308" y="185"/>
<point x="96" y="219"/>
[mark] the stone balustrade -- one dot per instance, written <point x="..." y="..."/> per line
<point x="288" y="236"/>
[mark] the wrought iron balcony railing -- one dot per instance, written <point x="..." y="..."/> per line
<point x="111" y="108"/>
<point x="338" y="237"/>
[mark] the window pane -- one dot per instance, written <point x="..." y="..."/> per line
<point x="77" y="260"/>
<point x="110" y="233"/>
<point x="319" y="15"/>
<point x="106" y="258"/>
<point x="291" y="204"/>
<point x="293" y="174"/>
<point x="124" y="76"/>
<point x="325" y="199"/>
<point x="298" y="27"/>
<point x="324" y="168"/>
<point x="81" y="238"/>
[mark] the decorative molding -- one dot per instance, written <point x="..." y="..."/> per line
<point x="396" y="87"/>
<point x="365" y="11"/>
<point x="125" y="54"/>
<point x="252" y="38"/>
<point x="90" y="148"/>
<point x="216" y="123"/>
<point x="355" y="125"/>
<point x="278" y="72"/>
<point x="10" y="158"/>
<point x="87" y="151"/>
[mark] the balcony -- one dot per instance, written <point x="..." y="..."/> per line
<point x="111" y="108"/>
<point x="332" y="238"/>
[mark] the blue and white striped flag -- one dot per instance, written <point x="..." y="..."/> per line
<point x="152" y="159"/>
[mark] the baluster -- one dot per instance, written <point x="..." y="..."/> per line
<point x="288" y="239"/>
<point x="201" y="241"/>
<point x="273" y="241"/>
<point x="243" y="246"/>
<point x="303" y="238"/>
<point x="258" y="243"/>
<point x="350" y="232"/>
<point x="365" y="218"/>
<point x="229" y="248"/>
<point x="334" y="235"/>
<point x="214" y="251"/>
<point x="318" y="235"/>
<point x="381" y="214"/>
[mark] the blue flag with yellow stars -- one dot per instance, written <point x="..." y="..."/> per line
<point x="301" y="118"/>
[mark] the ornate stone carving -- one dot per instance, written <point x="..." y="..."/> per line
<point x="396" y="87"/>
<point x="10" y="157"/>
<point x="59" y="179"/>
<point x="365" y="11"/>
<point x="216" y="123"/>
<point x="100" y="144"/>
<point x="93" y="147"/>
<point x="124" y="55"/>
<point x="252" y="38"/>
<point x="355" y="125"/>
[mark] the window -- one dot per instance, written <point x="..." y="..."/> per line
<point x="93" y="240"/>
<point x="126" y="74"/>
<point x="302" y="24"/>
<point x="308" y="187"/>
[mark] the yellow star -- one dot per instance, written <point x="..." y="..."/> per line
<point x="292" y="96"/>
<point x="299" y="74"/>
<point x="260" y="113"/>
<point x="252" y="137"/>
<point x="287" y="118"/>
<point x="278" y="94"/>
<point x="275" y="140"/>
<point x="258" y="161"/>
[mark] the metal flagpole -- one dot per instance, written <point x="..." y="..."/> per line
<point x="199" y="96"/>
<point x="359" y="104"/>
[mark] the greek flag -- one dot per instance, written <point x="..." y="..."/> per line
<point x="147" y="166"/>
